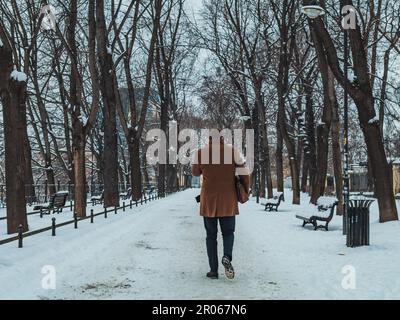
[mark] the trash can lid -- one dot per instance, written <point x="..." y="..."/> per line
<point x="360" y="202"/>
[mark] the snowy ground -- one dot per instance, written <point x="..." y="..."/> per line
<point x="157" y="251"/>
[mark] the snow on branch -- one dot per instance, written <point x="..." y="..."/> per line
<point x="374" y="120"/>
<point x="18" y="76"/>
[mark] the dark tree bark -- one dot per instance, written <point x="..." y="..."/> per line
<point x="107" y="88"/>
<point x="310" y="153"/>
<point x="13" y="97"/>
<point x="79" y="128"/>
<point x="361" y="93"/>
<point x="133" y="128"/>
<point x="337" y="158"/>
<point x="323" y="128"/>
<point x="30" y="193"/>
<point x="279" y="159"/>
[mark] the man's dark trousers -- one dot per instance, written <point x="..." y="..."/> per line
<point x="227" y="225"/>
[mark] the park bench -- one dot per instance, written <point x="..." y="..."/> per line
<point x="56" y="203"/>
<point x="97" y="199"/>
<point x="273" y="204"/>
<point x="324" y="213"/>
<point x="126" y="195"/>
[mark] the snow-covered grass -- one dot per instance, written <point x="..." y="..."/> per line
<point x="157" y="251"/>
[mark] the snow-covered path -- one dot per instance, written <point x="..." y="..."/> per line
<point x="158" y="252"/>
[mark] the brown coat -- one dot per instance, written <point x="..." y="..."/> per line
<point x="218" y="193"/>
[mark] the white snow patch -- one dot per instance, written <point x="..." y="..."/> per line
<point x="244" y="118"/>
<point x="83" y="119"/>
<point x="374" y="120"/>
<point x="18" y="76"/>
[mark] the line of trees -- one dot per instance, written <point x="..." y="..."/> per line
<point x="288" y="69"/>
<point x="82" y="81"/>
<point x="79" y="93"/>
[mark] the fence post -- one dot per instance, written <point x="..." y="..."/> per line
<point x="141" y="200"/>
<point x="123" y="206"/>
<point x="70" y="204"/>
<point x="75" y="221"/>
<point x="145" y="199"/>
<point x="53" y="227"/>
<point x="130" y="204"/>
<point x="20" y="236"/>
<point x="115" y="209"/>
<point x="41" y="213"/>
<point x="91" y="215"/>
<point x="136" y="202"/>
<point x="105" y="213"/>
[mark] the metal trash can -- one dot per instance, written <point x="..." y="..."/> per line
<point x="358" y="222"/>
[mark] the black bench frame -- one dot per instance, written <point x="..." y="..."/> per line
<point x="127" y="194"/>
<point x="274" y="206"/>
<point x="56" y="204"/>
<point x="98" y="200"/>
<point x="314" y="219"/>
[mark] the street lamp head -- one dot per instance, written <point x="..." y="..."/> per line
<point x="313" y="11"/>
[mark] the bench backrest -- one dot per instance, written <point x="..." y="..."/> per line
<point x="326" y="202"/>
<point x="60" y="200"/>
<point x="331" y="212"/>
<point x="280" y="197"/>
<point x="52" y="199"/>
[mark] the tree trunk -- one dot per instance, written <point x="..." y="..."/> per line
<point x="172" y="174"/>
<point x="266" y="170"/>
<point x="107" y="88"/>
<point x="79" y="174"/>
<point x="382" y="174"/>
<point x="13" y="98"/>
<point x="323" y="129"/>
<point x="310" y="132"/>
<point x="304" y="174"/>
<point x="14" y="113"/>
<point x="290" y="146"/>
<point x="29" y="182"/>
<point x="362" y="94"/>
<point x="136" y="172"/>
<point x="279" y="160"/>
<point x="262" y="180"/>
<point x="337" y="158"/>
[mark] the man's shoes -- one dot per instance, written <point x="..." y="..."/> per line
<point x="229" y="271"/>
<point x="212" y="275"/>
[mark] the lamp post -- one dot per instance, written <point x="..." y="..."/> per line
<point x="313" y="11"/>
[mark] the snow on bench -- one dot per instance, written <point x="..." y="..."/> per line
<point x="273" y="204"/>
<point x="322" y="212"/>
<point x="325" y="203"/>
